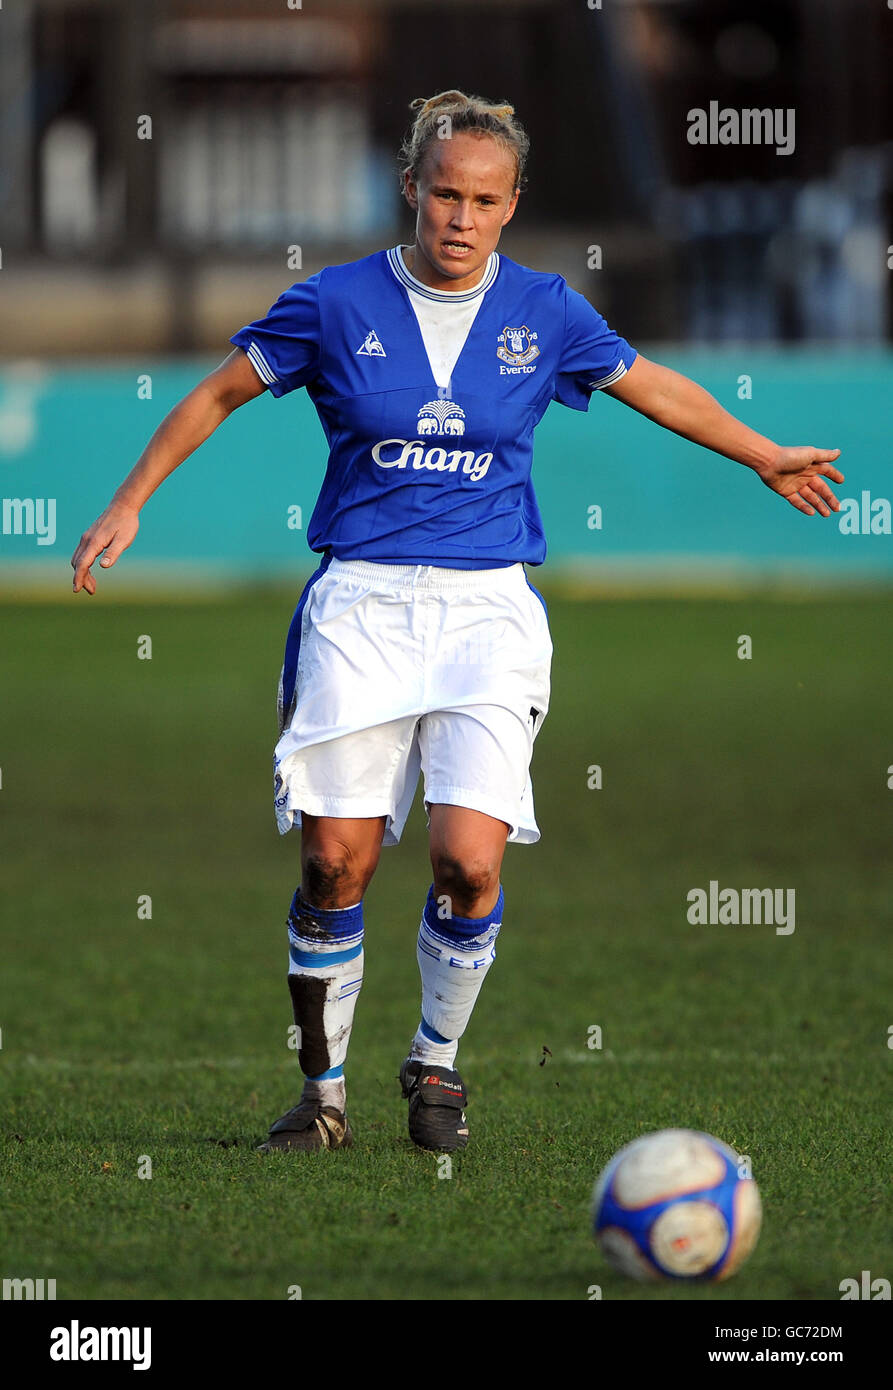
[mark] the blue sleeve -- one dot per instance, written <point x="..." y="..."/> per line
<point x="592" y="355"/>
<point x="284" y="347"/>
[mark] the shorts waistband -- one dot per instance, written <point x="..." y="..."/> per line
<point x="432" y="577"/>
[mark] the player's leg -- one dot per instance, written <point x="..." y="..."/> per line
<point x="455" y="949"/>
<point x="489" y="694"/>
<point x="354" y="661"/>
<point x="460" y="923"/>
<point x="476" y="763"/>
<point x="339" y="855"/>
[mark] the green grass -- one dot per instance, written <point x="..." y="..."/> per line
<point x="167" y="1037"/>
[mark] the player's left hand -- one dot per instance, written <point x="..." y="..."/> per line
<point x="799" y="474"/>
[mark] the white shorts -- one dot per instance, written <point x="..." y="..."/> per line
<point x="395" y="669"/>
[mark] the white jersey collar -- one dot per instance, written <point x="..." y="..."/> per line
<point x="409" y="281"/>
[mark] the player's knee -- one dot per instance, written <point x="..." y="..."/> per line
<point x="333" y="879"/>
<point x="466" y="882"/>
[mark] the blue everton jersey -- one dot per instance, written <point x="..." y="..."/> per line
<point x="419" y="473"/>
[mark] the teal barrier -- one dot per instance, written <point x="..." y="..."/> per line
<point x="613" y="487"/>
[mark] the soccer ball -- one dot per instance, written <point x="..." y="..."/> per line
<point x="673" y="1205"/>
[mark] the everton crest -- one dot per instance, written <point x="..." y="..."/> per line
<point x="517" y="346"/>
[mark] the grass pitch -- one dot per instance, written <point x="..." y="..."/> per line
<point x="127" y="1037"/>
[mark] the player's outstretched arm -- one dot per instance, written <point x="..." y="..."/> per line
<point x="180" y="433"/>
<point x="672" y="400"/>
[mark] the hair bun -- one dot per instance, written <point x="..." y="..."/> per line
<point x="451" y="98"/>
<point x="466" y="113"/>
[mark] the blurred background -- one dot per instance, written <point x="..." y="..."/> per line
<point x="169" y="168"/>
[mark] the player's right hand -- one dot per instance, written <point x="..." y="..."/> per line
<point x="112" y="533"/>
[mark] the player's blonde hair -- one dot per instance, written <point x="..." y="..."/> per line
<point x="441" y="116"/>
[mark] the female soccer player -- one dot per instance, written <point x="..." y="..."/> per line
<point x="419" y="644"/>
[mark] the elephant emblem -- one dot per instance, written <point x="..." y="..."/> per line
<point x="441" y="417"/>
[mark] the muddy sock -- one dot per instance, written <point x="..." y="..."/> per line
<point x="325" y="972"/>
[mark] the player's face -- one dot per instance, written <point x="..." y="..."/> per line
<point x="463" y="196"/>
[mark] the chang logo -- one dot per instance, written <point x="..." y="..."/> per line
<point x="405" y="453"/>
<point x="441" y="417"/>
